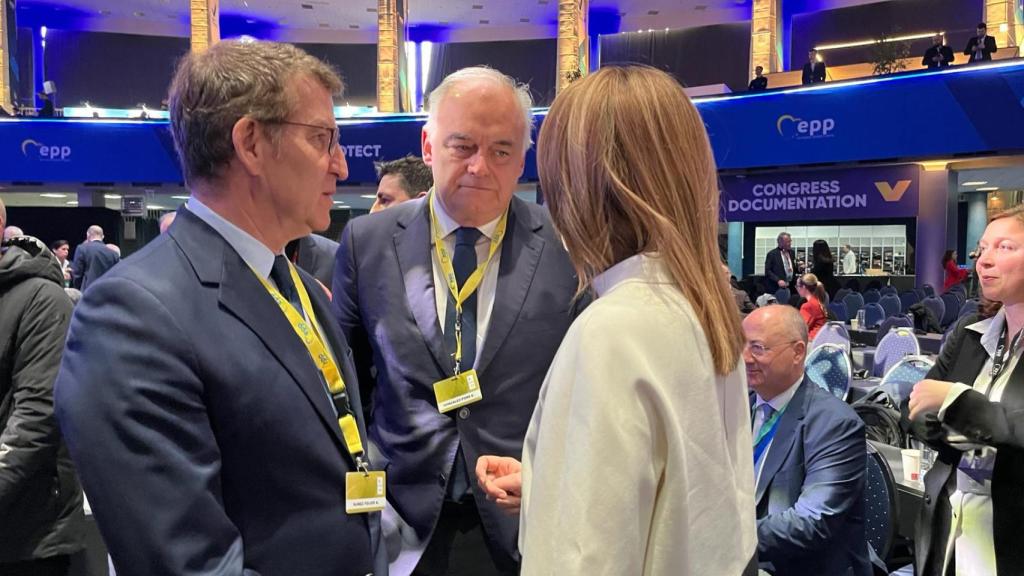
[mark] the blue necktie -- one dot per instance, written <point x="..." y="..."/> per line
<point x="464" y="263"/>
<point x="282" y="276"/>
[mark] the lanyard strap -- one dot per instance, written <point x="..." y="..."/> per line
<point x="1002" y="357"/>
<point x="448" y="270"/>
<point x="311" y="338"/>
<point x="768" y="427"/>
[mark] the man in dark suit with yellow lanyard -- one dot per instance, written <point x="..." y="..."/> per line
<point x="460" y="300"/>
<point x="208" y="401"/>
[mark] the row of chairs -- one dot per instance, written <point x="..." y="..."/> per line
<point x="946" y="308"/>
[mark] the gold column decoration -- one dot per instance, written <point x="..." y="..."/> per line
<point x="392" y="86"/>
<point x="573" y="43"/>
<point x="6" y="99"/>
<point x="1004" y="22"/>
<point x="205" y="18"/>
<point x="765" y="35"/>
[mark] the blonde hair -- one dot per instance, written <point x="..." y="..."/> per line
<point x="817" y="289"/>
<point x="626" y="168"/>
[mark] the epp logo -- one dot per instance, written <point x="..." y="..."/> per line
<point x="50" y="153"/>
<point x="893" y="193"/>
<point x="790" y="126"/>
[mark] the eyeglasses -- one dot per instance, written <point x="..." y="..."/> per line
<point x="331" y="136"/>
<point x="759" y="350"/>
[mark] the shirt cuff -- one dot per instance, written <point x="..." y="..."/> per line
<point x="955" y="391"/>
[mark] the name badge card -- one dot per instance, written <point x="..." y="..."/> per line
<point x="457" y="391"/>
<point x="365" y="492"/>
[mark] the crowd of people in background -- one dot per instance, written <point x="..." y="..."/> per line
<point x="449" y="362"/>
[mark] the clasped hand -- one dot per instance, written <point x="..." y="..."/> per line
<point x="501" y="479"/>
<point x="927" y="397"/>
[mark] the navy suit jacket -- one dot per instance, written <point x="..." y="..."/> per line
<point x="810" y="494"/>
<point x="92" y="260"/>
<point x="775" y="270"/>
<point x="384" y="300"/>
<point x="199" y="425"/>
<point x="315" y="255"/>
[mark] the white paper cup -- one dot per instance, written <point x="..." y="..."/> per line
<point x="853" y="324"/>
<point x="911" y="464"/>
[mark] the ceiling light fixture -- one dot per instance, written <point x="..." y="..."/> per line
<point x="980" y="183"/>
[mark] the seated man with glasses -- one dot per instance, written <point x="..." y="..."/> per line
<point x="809" y="456"/>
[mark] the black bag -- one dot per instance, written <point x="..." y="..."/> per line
<point x="924" y="319"/>
<point x="881" y="418"/>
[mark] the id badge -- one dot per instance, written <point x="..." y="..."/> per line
<point x="457" y="391"/>
<point x="365" y="492"/>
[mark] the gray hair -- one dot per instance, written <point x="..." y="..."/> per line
<point x="233" y="79"/>
<point x="94" y="232"/>
<point x="781" y="236"/>
<point x="483" y="74"/>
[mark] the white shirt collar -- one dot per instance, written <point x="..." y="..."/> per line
<point x="990" y="329"/>
<point x="252" y="251"/>
<point x="780" y="402"/>
<point x="448" y="225"/>
<point x="648" y="268"/>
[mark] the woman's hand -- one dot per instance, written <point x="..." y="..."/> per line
<point x="927" y="397"/>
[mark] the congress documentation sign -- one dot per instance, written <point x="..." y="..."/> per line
<point x="864" y="193"/>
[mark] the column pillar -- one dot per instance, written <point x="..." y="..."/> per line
<point x="1004" y="21"/>
<point x="573" y="46"/>
<point x="205" y="19"/>
<point x="977" y="220"/>
<point x="736" y="249"/>
<point x="6" y="92"/>
<point x="765" y="36"/>
<point x="91" y="198"/>
<point x="392" y="87"/>
<point x="932" y="227"/>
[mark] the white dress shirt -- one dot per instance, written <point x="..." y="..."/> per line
<point x="778" y="404"/>
<point x="638" y="457"/>
<point x="484" y="292"/>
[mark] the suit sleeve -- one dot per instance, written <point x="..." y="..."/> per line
<point x="990" y="45"/>
<point x="769" y="270"/>
<point x="969" y="51"/>
<point x="131" y="404"/>
<point x="833" y="485"/>
<point x="30" y="438"/>
<point x="985" y="422"/>
<point x="78" y="266"/>
<point x="927" y="57"/>
<point x="345" y="306"/>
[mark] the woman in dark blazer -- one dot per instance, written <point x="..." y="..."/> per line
<point x="971" y="410"/>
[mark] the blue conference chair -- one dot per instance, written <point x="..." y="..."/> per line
<point x="908" y="299"/>
<point x="896" y="345"/>
<point x="829" y="367"/>
<point x="890" y="323"/>
<point x="889" y="290"/>
<point x="880" y="504"/>
<point x="873" y="314"/>
<point x="854" y="302"/>
<point x="891" y="304"/>
<point x="969" y="307"/>
<point x="840" y="294"/>
<point x="929" y="290"/>
<point x="900" y="379"/>
<point x="871" y="296"/>
<point x="952" y="309"/>
<point x="937" y="308"/>
<point x="832" y="333"/>
<point x="838" y="309"/>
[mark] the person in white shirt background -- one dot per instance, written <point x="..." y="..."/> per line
<point x="638" y="458"/>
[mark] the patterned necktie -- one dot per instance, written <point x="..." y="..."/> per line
<point x="281" y="274"/>
<point x="761" y="436"/>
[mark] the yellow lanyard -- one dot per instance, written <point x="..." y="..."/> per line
<point x="313" y="341"/>
<point x="474" y="280"/>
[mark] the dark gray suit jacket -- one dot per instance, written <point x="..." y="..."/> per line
<point x="810" y="495"/>
<point x="92" y="260"/>
<point x="384" y="300"/>
<point x="198" y="422"/>
<point x="315" y="254"/>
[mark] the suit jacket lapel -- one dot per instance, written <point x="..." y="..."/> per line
<point x="520" y="255"/>
<point x="245" y="297"/>
<point x="785" y="438"/>
<point x="413" y="246"/>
